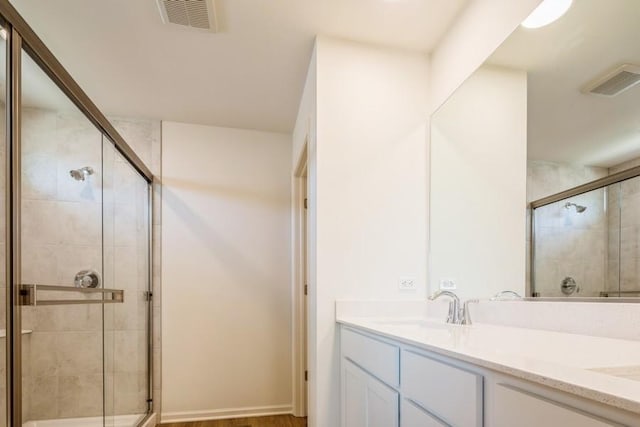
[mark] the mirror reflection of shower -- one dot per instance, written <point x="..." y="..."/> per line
<point x="578" y="208"/>
<point x="82" y="173"/>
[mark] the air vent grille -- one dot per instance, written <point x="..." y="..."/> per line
<point x="615" y="82"/>
<point x="190" y="13"/>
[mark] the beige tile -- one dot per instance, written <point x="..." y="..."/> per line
<point x="80" y="223"/>
<point x="39" y="264"/>
<point x="79" y="353"/>
<point x="39" y="176"/>
<point x="130" y="394"/>
<point x="132" y="314"/>
<point x="69" y="318"/>
<point x="71" y="259"/>
<point x="38" y="131"/>
<point x="40" y="223"/>
<point x="42" y="398"/>
<point x="3" y="405"/>
<point x="125" y="182"/>
<point x="126" y="268"/>
<point x="80" y="396"/>
<point x="43" y="360"/>
<point x="125" y="225"/>
<point x="129" y="352"/>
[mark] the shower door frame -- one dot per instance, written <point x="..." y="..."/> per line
<point x="21" y="37"/>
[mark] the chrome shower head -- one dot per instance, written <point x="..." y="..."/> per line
<point x="578" y="208"/>
<point x="82" y="173"/>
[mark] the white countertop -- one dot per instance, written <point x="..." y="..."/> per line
<point x="605" y="370"/>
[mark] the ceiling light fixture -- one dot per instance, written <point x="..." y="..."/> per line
<point x="547" y="12"/>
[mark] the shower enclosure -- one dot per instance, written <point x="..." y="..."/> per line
<point x="586" y="241"/>
<point x="75" y="201"/>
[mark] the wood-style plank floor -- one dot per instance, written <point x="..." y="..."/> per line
<point x="272" y="421"/>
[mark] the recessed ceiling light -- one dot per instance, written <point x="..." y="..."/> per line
<point x="547" y="12"/>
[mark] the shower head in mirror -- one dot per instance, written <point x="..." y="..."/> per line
<point x="578" y="208"/>
<point x="82" y="173"/>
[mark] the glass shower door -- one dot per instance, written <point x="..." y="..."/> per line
<point x="126" y="266"/>
<point x="62" y="274"/>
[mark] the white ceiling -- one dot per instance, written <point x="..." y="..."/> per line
<point x="564" y="124"/>
<point x="250" y="75"/>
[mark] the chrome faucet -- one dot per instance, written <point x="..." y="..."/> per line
<point x="454" y="305"/>
<point x="466" y="316"/>
<point x="458" y="315"/>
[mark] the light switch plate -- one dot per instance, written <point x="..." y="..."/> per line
<point x="407" y="283"/>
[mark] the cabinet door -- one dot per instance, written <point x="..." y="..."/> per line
<point x="382" y="405"/>
<point x="514" y="407"/>
<point x="413" y="416"/>
<point x="354" y="395"/>
<point x="366" y="402"/>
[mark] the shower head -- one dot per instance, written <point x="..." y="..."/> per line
<point x="578" y="208"/>
<point x="82" y="173"/>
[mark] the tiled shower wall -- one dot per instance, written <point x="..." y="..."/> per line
<point x="624" y="246"/>
<point x="61" y="235"/>
<point x="568" y="243"/>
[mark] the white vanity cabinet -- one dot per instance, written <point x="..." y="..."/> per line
<point x="387" y="383"/>
<point x="428" y="393"/>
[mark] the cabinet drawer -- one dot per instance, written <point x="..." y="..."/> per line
<point x="378" y="358"/>
<point x="413" y="416"/>
<point x="518" y="407"/>
<point x="449" y="393"/>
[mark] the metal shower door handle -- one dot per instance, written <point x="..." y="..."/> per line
<point x="28" y="295"/>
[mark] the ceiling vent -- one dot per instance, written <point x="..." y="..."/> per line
<point x="614" y="82"/>
<point x="198" y="14"/>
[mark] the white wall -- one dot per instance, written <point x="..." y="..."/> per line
<point x="481" y="27"/>
<point x="367" y="190"/>
<point x="478" y="185"/>
<point x="226" y="317"/>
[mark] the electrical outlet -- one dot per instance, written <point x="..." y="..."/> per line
<point x="447" y="284"/>
<point x="407" y="283"/>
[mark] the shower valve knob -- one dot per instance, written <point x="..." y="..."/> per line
<point x="87" y="279"/>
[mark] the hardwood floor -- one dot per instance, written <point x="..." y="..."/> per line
<point x="272" y="421"/>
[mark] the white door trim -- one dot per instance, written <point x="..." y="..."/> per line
<point x="299" y="279"/>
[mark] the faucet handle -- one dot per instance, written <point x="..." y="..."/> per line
<point x="506" y="295"/>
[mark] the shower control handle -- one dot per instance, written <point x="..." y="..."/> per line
<point x="568" y="286"/>
<point x="87" y="279"/>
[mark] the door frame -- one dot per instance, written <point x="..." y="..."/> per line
<point x="299" y="281"/>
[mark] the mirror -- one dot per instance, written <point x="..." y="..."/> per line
<point x="535" y="163"/>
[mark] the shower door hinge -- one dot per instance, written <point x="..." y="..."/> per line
<point x="306" y="289"/>
<point x="306" y="375"/>
<point x="305" y="203"/>
<point x="148" y="295"/>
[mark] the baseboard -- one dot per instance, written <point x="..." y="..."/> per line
<point x="219" y="414"/>
<point x="150" y="421"/>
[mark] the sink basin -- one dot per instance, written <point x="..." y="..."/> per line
<point x="627" y="372"/>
